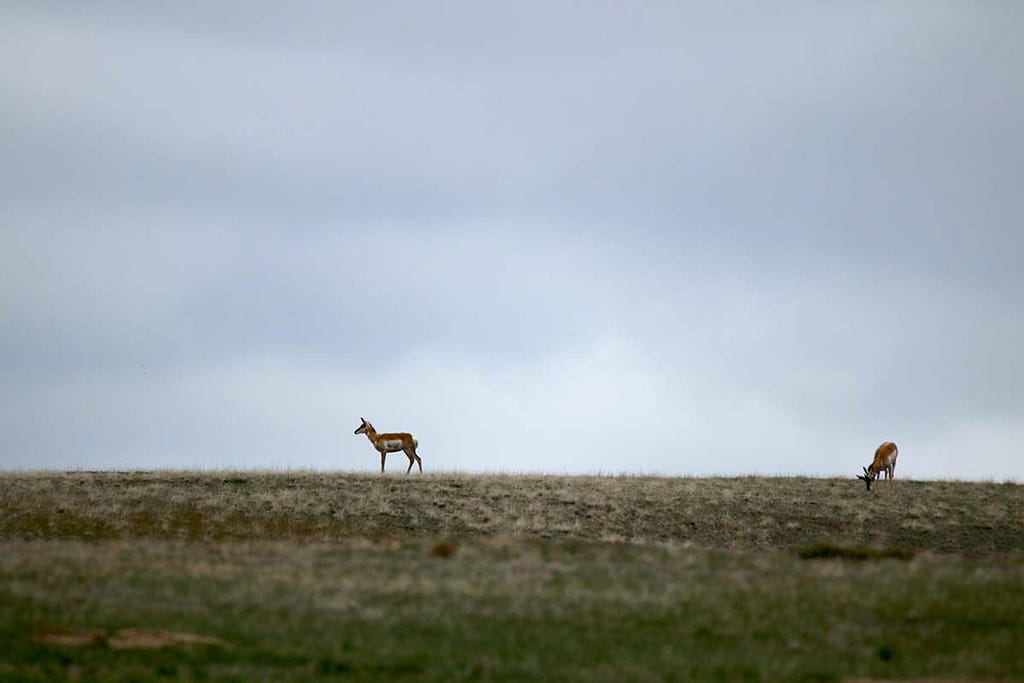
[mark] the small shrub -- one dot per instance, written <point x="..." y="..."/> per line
<point x="442" y="549"/>
<point x="831" y="551"/>
<point x="330" y="667"/>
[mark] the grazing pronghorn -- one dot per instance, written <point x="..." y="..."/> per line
<point x="391" y="443"/>
<point x="885" y="461"/>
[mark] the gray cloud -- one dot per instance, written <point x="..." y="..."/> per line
<point x="663" y="241"/>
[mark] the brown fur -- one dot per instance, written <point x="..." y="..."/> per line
<point x="885" y="460"/>
<point x="404" y="437"/>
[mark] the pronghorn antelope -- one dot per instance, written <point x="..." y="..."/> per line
<point x="885" y="461"/>
<point x="391" y="443"/>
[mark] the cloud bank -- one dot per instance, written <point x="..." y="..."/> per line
<point x="664" y="241"/>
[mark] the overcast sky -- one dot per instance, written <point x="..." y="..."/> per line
<point x="670" y="238"/>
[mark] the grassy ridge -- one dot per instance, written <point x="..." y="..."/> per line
<point x="728" y="514"/>
<point x="309" y="576"/>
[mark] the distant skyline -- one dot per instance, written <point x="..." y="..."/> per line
<point x="655" y="239"/>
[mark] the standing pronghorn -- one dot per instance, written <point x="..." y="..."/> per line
<point x="885" y="461"/>
<point x="391" y="443"/>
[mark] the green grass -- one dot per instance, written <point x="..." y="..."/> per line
<point x="459" y="577"/>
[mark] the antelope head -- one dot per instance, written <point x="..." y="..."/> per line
<point x="867" y="478"/>
<point x="361" y="429"/>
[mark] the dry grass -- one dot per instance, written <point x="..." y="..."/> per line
<point x="728" y="514"/>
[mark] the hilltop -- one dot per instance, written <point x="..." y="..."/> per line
<point x="746" y="513"/>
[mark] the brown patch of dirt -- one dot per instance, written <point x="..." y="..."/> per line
<point x="126" y="639"/>
<point x="60" y="636"/>
<point x="140" y="638"/>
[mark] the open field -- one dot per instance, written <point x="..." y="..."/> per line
<point x="296" y="576"/>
